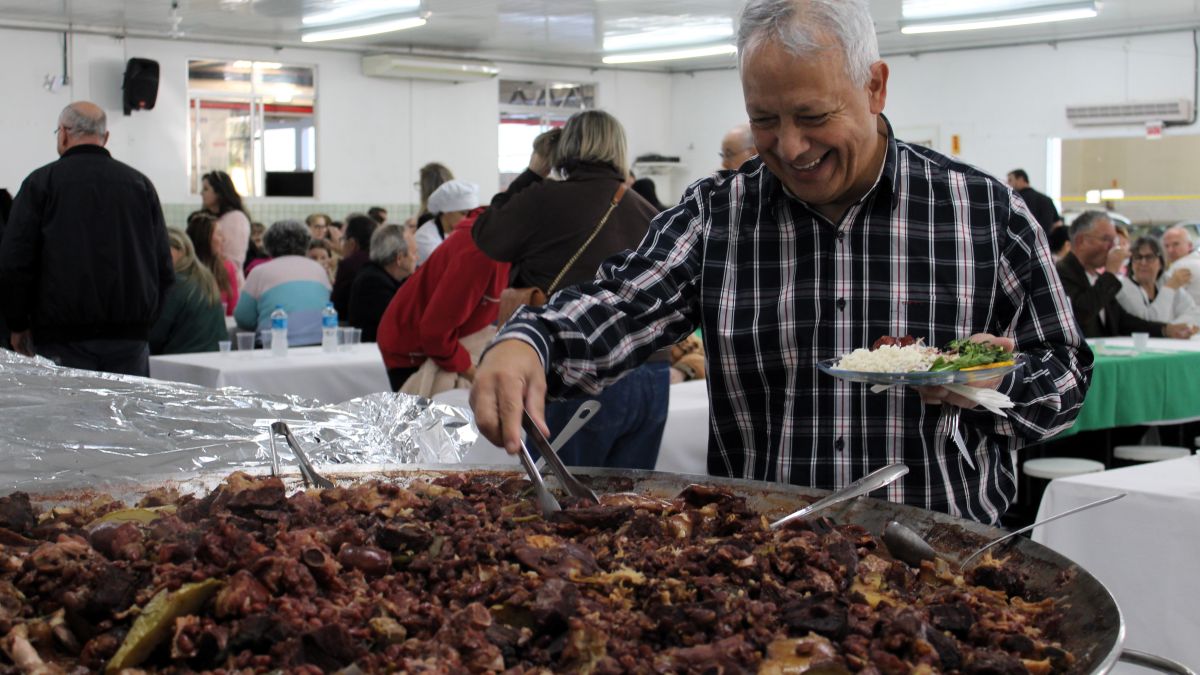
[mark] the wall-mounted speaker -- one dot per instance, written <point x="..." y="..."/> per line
<point x="140" y="85"/>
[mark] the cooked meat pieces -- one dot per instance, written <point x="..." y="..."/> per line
<point x="463" y="575"/>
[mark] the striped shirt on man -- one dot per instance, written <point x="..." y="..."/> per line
<point x="936" y="249"/>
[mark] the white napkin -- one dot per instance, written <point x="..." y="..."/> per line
<point x="989" y="399"/>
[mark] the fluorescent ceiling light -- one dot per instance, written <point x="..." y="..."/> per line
<point x="362" y="30"/>
<point x="1092" y="197"/>
<point x="1112" y="194"/>
<point x="359" y="10"/>
<point x="944" y="9"/>
<point x="261" y="65"/>
<point x="672" y="55"/>
<point x="687" y="34"/>
<point x="1047" y="14"/>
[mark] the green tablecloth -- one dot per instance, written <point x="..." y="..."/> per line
<point x="1132" y="390"/>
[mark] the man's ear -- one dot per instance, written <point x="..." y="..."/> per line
<point x="877" y="86"/>
<point x="104" y="140"/>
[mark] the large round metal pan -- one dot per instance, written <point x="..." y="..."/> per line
<point x="1092" y="628"/>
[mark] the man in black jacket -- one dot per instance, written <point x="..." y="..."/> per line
<point x="84" y="260"/>
<point x="1041" y="206"/>
<point x="393" y="259"/>
<point x="1088" y="278"/>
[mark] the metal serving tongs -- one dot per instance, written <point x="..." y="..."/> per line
<point x="310" y="475"/>
<point x="546" y="501"/>
<point x="570" y="482"/>
<point x="868" y="483"/>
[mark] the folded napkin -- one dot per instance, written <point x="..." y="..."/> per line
<point x="989" y="399"/>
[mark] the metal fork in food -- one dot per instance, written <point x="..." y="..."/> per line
<point x="310" y="475"/>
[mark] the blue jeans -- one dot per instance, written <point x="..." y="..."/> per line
<point x="627" y="431"/>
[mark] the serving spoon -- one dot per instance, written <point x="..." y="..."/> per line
<point x="868" y="483"/>
<point x="910" y="547"/>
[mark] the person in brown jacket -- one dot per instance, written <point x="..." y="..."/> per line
<point x="538" y="225"/>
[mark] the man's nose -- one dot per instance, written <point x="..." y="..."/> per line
<point x="792" y="142"/>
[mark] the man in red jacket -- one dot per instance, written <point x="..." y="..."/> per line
<point x="454" y="294"/>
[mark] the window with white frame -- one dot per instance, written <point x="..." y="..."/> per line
<point x="253" y="120"/>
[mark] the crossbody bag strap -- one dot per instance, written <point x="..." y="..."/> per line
<point x="615" y="200"/>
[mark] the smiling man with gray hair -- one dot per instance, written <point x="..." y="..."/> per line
<point x="84" y="262"/>
<point x="837" y="234"/>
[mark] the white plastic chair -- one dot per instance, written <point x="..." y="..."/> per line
<point x="1049" y="468"/>
<point x="1149" y="453"/>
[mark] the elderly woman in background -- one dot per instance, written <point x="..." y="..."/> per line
<point x="289" y="280"/>
<point x="560" y="231"/>
<point x="432" y="177"/>
<point x="450" y="204"/>
<point x="208" y="242"/>
<point x="1147" y="295"/>
<point x="190" y="319"/>
<point x="393" y="259"/>
<point x="220" y="198"/>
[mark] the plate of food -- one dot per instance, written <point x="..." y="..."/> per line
<point x="909" y="361"/>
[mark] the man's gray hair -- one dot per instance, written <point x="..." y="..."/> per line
<point x="806" y="26"/>
<point x="1086" y="221"/>
<point x="286" y="237"/>
<point x="79" y="124"/>
<point x="387" y="243"/>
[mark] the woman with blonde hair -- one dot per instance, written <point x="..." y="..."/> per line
<point x="556" y="234"/>
<point x="208" y="240"/>
<point x="191" y="318"/>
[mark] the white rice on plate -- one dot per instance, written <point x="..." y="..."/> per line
<point x="889" y="359"/>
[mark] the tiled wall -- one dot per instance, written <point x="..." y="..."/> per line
<point x="267" y="213"/>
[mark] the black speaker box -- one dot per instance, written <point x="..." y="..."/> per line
<point x="141" y="84"/>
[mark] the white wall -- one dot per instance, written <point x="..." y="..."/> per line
<point x="1004" y="103"/>
<point x="372" y="133"/>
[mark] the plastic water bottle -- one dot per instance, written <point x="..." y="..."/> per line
<point x="329" y="328"/>
<point x="279" y="341"/>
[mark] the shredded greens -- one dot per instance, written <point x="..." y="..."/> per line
<point x="965" y="354"/>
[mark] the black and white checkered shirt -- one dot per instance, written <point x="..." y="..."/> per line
<point x="937" y="250"/>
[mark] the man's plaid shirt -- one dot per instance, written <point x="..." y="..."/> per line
<point x="937" y="250"/>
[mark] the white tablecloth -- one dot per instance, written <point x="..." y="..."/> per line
<point x="305" y="371"/>
<point x="685" y="439"/>
<point x="1144" y="548"/>
<point x="1120" y="344"/>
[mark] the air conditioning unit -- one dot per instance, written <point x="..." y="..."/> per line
<point x="427" y="68"/>
<point x="1174" y="110"/>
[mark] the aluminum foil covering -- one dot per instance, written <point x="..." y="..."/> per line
<point x="62" y="428"/>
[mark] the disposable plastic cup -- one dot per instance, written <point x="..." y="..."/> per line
<point x="245" y="341"/>
<point x="1140" y="342"/>
<point x="225" y="346"/>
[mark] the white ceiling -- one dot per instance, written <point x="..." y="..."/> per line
<point x="543" y="31"/>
